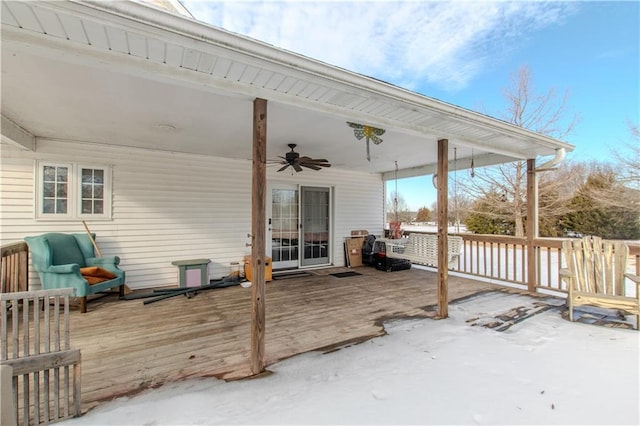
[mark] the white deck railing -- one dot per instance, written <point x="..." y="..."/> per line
<point x="500" y="258"/>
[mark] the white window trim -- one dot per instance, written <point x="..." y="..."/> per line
<point x="74" y="192"/>
<point x="106" y="215"/>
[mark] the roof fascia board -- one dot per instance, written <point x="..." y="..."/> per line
<point x="207" y="33"/>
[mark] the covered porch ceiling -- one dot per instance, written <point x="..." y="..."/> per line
<point x="127" y="74"/>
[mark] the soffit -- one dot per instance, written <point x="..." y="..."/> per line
<point x="126" y="74"/>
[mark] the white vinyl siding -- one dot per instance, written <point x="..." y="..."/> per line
<point x="170" y="206"/>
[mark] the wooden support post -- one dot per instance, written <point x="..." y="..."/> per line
<point x="532" y="224"/>
<point x="258" y="245"/>
<point x="443" y="227"/>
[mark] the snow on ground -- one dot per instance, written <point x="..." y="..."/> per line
<point x="544" y="370"/>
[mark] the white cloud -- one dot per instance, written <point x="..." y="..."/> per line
<point x="408" y="43"/>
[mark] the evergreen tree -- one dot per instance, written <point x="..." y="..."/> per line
<point x="593" y="215"/>
<point x="487" y="218"/>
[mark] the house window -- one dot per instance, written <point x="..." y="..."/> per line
<point x="73" y="191"/>
<point x="92" y="191"/>
<point x="55" y="189"/>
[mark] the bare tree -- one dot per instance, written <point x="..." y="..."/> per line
<point x="627" y="175"/>
<point x="397" y="208"/>
<point x="546" y="114"/>
<point x="459" y="207"/>
<point x="628" y="158"/>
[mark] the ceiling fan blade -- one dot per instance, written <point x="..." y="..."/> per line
<point x="297" y="167"/>
<point x="268" y="161"/>
<point x="310" y="166"/>
<point x="314" y="161"/>
<point x="283" y="167"/>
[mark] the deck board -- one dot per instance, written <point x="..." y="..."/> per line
<point x="127" y="346"/>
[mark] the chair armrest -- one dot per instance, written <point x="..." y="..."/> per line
<point x="636" y="279"/>
<point x="71" y="268"/>
<point x="633" y="277"/>
<point x="105" y="260"/>
<point x="567" y="276"/>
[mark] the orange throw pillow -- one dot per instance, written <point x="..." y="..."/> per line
<point x="96" y="274"/>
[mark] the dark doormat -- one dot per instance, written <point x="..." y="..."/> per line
<point x="345" y="274"/>
<point x="292" y="274"/>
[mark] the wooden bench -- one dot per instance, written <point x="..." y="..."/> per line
<point x="422" y="249"/>
<point x="596" y="275"/>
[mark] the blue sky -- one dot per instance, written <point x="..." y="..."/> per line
<point x="463" y="53"/>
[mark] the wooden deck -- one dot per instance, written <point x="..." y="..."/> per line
<point x="128" y="347"/>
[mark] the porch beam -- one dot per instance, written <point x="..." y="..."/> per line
<point x="15" y="135"/>
<point x="532" y="223"/>
<point x="443" y="227"/>
<point x="481" y="160"/>
<point x="258" y="224"/>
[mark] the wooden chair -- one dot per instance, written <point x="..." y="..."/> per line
<point x="596" y="275"/>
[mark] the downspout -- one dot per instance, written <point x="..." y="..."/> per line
<point x="557" y="159"/>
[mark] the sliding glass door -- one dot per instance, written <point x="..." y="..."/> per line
<point x="299" y="226"/>
<point x="315" y="226"/>
<point x="283" y="228"/>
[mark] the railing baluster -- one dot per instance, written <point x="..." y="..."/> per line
<point x="548" y="270"/>
<point x="36" y="351"/>
<point x="56" y="347"/>
<point x="499" y="260"/>
<point x="4" y="350"/>
<point x="46" y="349"/>
<point x="523" y="263"/>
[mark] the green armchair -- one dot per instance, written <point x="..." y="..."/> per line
<point x="58" y="258"/>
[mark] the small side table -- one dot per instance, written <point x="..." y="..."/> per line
<point x="188" y="272"/>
